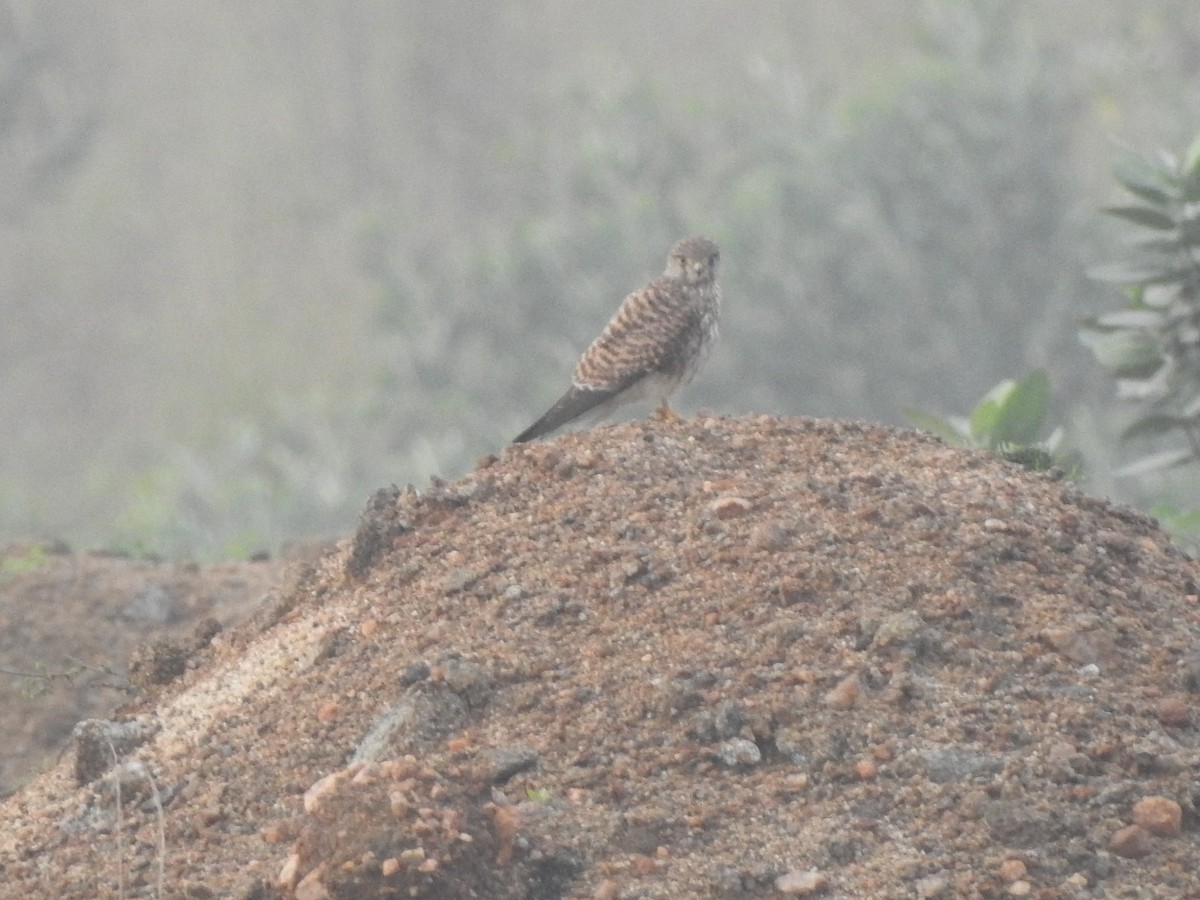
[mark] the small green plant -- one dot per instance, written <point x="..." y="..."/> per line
<point x="1007" y="421"/>
<point x="1152" y="345"/>
<point x="30" y="560"/>
<point x="1182" y="524"/>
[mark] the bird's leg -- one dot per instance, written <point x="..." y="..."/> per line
<point x="665" y="414"/>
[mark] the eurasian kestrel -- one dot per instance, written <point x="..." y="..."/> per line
<point x="653" y="344"/>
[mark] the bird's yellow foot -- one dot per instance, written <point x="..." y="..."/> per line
<point x="665" y="414"/>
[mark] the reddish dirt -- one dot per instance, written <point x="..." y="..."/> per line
<point x="724" y="658"/>
<point x="69" y="623"/>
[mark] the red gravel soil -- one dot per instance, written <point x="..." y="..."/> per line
<point x="722" y="658"/>
<point x="69" y="623"/>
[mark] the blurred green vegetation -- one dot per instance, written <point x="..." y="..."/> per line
<point x="1151" y="346"/>
<point x="20" y="561"/>
<point x="373" y="250"/>
<point x="1010" y="421"/>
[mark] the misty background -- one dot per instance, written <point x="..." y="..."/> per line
<point x="259" y="259"/>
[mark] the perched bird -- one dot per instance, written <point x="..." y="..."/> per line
<point x="653" y="344"/>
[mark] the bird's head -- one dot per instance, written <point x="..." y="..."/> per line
<point x="694" y="260"/>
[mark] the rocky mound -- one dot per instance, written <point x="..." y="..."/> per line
<point x="722" y="658"/>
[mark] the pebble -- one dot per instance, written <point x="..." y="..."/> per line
<point x="324" y="788"/>
<point x="739" y="752"/>
<point x="1012" y="870"/>
<point x="312" y="886"/>
<point x="1132" y="842"/>
<point x="1160" y="816"/>
<point x="98" y="741"/>
<point x="973" y="805"/>
<point x="845" y="695"/>
<point x="932" y="886"/>
<point x="368" y="773"/>
<point x="459" y="579"/>
<point x="730" y="507"/>
<point x="505" y="762"/>
<point x="898" y="629"/>
<point x="769" y="536"/>
<point x="801" y="884"/>
<point x="275" y="833"/>
<point x="1173" y="711"/>
<point x="289" y="871"/>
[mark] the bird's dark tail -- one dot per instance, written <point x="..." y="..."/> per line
<point x="570" y="406"/>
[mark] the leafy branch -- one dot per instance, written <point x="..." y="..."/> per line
<point x="77" y="668"/>
<point x="1152" y="345"/>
